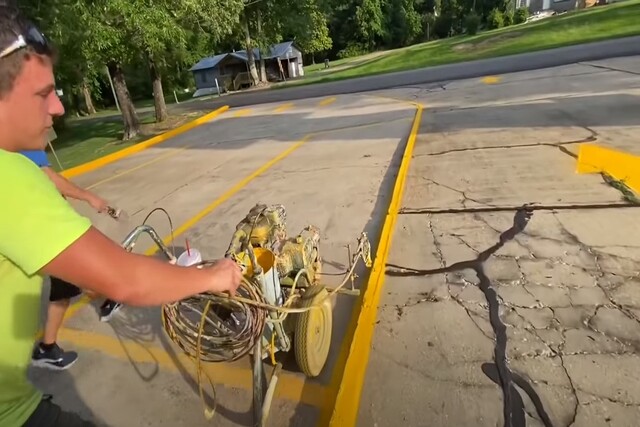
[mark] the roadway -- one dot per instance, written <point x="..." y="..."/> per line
<point x="628" y="46"/>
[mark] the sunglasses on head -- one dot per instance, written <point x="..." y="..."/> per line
<point x="32" y="38"/>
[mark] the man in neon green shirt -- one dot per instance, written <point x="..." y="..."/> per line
<point x="41" y="234"/>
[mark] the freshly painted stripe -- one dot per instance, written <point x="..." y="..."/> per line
<point x="349" y="387"/>
<point x="625" y="167"/>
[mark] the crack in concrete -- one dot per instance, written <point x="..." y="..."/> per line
<point x="499" y="372"/>
<point x="426" y="297"/>
<point x="558" y="145"/>
<point x="455" y="190"/>
<point x="601" y="273"/>
<point x="605" y="67"/>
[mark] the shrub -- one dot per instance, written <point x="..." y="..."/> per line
<point x="495" y="19"/>
<point x="521" y="15"/>
<point x="472" y="23"/>
<point x="508" y="18"/>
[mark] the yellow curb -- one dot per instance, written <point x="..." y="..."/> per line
<point x="625" y="167"/>
<point x="110" y="158"/>
<point x="349" y="388"/>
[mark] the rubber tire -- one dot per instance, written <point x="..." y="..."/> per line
<point x="313" y="330"/>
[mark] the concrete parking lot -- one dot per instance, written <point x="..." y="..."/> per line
<point x="512" y="283"/>
<point x="330" y="161"/>
<point x="509" y="274"/>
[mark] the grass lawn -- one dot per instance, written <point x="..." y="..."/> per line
<point x="89" y="138"/>
<point x="582" y="26"/>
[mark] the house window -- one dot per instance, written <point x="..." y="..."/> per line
<point x="204" y="77"/>
<point x="522" y="4"/>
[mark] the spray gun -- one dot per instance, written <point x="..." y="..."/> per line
<point x="115" y="213"/>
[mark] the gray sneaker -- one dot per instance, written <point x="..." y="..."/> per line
<point x="54" y="358"/>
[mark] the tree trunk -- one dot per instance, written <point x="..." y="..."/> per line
<point x="88" y="102"/>
<point x="250" y="58"/>
<point x="75" y="101"/>
<point x="263" y="68"/>
<point x="129" y="115"/>
<point x="158" y="93"/>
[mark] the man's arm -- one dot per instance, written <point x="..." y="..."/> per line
<point x="96" y="263"/>
<point x="69" y="189"/>
<point x="41" y="233"/>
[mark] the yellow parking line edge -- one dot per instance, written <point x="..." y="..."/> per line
<point x="348" y="394"/>
<point x="118" y="155"/>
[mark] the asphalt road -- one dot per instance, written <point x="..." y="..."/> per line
<point x="627" y="46"/>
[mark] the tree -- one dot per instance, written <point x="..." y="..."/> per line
<point x="307" y="24"/>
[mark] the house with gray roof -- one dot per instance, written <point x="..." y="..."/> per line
<point x="231" y="70"/>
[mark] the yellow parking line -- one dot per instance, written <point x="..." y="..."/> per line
<point x="283" y="107"/>
<point x="346" y="384"/>
<point x="327" y="101"/>
<point x="242" y="113"/>
<point x="290" y="386"/>
<point x="491" y="80"/>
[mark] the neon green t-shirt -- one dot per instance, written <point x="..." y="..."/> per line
<point x="36" y="224"/>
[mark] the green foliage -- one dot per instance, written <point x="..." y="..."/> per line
<point x="521" y="16"/>
<point x="472" y="23"/>
<point x="369" y="22"/>
<point x="403" y="23"/>
<point x="508" y="18"/>
<point x="495" y="19"/>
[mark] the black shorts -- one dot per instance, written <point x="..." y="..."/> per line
<point x="48" y="414"/>
<point x="61" y="290"/>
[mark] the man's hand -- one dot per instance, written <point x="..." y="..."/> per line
<point x="97" y="203"/>
<point x="225" y="276"/>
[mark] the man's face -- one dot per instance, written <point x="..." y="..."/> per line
<point x="26" y="113"/>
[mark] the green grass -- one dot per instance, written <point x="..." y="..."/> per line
<point x="594" y="24"/>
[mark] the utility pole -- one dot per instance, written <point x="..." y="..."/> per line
<point x="113" y="90"/>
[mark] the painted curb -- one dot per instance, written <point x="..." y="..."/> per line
<point x="121" y="154"/>
<point x="349" y="390"/>
<point x="625" y="167"/>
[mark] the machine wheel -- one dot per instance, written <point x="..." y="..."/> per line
<point x="312" y="335"/>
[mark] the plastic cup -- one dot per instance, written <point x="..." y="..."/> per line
<point x="189" y="258"/>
